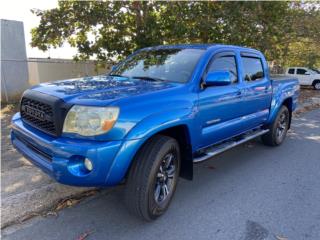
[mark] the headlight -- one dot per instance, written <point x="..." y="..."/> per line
<point x="90" y="121"/>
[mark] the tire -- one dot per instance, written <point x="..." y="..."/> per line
<point x="278" y="129"/>
<point x="145" y="194"/>
<point x="316" y="84"/>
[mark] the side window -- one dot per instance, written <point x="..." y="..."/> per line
<point x="291" y="71"/>
<point x="301" y="71"/>
<point x="225" y="63"/>
<point x="252" y="68"/>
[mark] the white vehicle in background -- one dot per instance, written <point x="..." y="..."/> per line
<point x="306" y="76"/>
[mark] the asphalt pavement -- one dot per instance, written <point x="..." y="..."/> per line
<point x="252" y="192"/>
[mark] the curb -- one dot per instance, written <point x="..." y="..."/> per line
<point x="37" y="202"/>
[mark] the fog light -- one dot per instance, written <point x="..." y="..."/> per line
<point x="88" y="164"/>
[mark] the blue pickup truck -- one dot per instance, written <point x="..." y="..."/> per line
<point x="151" y="118"/>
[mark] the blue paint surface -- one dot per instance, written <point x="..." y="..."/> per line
<point x="210" y="115"/>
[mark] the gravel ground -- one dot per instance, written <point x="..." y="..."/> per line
<point x="308" y="92"/>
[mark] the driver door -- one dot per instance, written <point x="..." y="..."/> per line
<point x="219" y="105"/>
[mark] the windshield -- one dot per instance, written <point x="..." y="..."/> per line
<point x="174" y="65"/>
<point x="316" y="71"/>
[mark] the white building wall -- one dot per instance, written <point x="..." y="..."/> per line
<point x="14" y="68"/>
<point x="47" y="70"/>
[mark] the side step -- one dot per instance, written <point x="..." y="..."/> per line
<point x="219" y="148"/>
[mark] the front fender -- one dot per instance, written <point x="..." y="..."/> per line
<point x="161" y="121"/>
<point x="141" y="133"/>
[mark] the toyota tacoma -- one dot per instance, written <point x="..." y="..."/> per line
<point x="151" y="118"/>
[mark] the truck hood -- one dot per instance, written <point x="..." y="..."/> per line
<point x="100" y="90"/>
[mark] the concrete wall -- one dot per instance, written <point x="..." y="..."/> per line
<point x="14" y="68"/>
<point x="46" y="70"/>
<point x="19" y="73"/>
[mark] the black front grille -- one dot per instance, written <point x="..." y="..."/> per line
<point x="43" y="112"/>
<point x="44" y="123"/>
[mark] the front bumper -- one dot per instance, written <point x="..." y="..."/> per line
<point x="62" y="158"/>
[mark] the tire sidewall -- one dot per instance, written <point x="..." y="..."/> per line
<point x="155" y="210"/>
<point x="316" y="83"/>
<point x="275" y="125"/>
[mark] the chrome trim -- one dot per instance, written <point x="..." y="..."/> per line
<point x="225" y="146"/>
<point x="213" y="121"/>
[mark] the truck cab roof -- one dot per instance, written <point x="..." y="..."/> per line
<point x="198" y="46"/>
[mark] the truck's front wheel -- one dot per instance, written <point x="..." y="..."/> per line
<point x="153" y="177"/>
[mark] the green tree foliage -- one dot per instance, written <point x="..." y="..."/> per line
<point x="288" y="33"/>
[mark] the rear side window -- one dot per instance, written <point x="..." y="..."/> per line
<point x="252" y="69"/>
<point x="301" y="71"/>
<point x="225" y="63"/>
<point x="291" y="71"/>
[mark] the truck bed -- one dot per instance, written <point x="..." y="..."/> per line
<point x="282" y="77"/>
<point x="286" y="82"/>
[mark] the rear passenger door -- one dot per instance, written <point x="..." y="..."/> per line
<point x="256" y="88"/>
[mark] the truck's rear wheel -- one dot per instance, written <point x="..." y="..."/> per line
<point x="278" y="129"/>
<point x="153" y="178"/>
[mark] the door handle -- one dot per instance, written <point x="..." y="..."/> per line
<point x="239" y="93"/>
<point x="260" y="88"/>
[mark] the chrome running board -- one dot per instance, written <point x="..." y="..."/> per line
<point x="219" y="148"/>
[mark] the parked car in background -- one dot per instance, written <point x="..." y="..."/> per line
<point x="157" y="112"/>
<point x="306" y="76"/>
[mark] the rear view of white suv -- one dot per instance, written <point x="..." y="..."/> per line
<point x="306" y="76"/>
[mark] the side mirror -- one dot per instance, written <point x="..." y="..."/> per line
<point x="306" y="73"/>
<point x="218" y="78"/>
<point x="113" y="67"/>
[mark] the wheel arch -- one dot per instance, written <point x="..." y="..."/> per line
<point x="288" y="102"/>
<point x="182" y="134"/>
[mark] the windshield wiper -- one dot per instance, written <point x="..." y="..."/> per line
<point x="148" y="78"/>
<point x="117" y="75"/>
